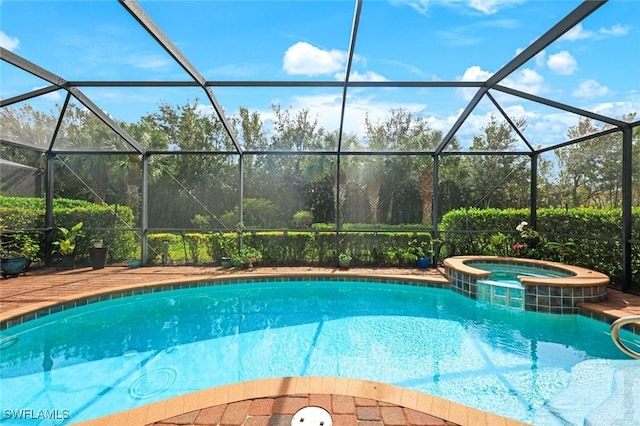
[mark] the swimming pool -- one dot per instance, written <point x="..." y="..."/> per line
<point x="115" y="355"/>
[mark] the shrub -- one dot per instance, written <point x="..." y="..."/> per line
<point x="302" y="219"/>
<point x="21" y="213"/>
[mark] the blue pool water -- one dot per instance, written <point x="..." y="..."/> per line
<point x="110" y="356"/>
<point x="509" y="271"/>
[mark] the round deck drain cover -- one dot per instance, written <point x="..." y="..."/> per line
<point x="311" y="416"/>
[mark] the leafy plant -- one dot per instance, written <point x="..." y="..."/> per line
<point x="344" y="257"/>
<point x="97" y="243"/>
<point x="246" y="257"/>
<point x="201" y="221"/>
<point x="500" y="245"/>
<point x="195" y="242"/>
<point x="20" y="245"/>
<point x="419" y="249"/>
<point x="527" y="233"/>
<point x="302" y="219"/>
<point x="560" y="250"/>
<point x="225" y="245"/>
<point x="66" y="242"/>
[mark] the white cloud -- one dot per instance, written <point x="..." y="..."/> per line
<point x="549" y="129"/>
<point x="562" y="63"/>
<point x="580" y="33"/>
<point x="540" y="59"/>
<point x="304" y="59"/>
<point x="490" y="7"/>
<point x="474" y="73"/>
<point x="619" y="109"/>
<point x="420" y="6"/>
<point x="590" y="89"/>
<point x="615" y="30"/>
<point x="577" y="33"/>
<point x="9" y="43"/>
<point x="52" y="96"/>
<point x="407" y="67"/>
<point x="366" y="76"/>
<point x="519" y="111"/>
<point x="527" y="80"/>
<point x="148" y="62"/>
<point x="326" y="109"/>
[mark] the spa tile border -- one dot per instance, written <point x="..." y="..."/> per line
<point x="555" y="295"/>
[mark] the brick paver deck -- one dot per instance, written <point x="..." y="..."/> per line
<point x="279" y="411"/>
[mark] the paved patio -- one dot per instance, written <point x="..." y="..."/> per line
<point x="279" y="411"/>
<point x="271" y="402"/>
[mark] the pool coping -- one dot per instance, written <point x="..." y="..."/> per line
<point x="433" y="405"/>
<point x="31" y="309"/>
<point x="37" y="310"/>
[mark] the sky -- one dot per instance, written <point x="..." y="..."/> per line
<point x="595" y="66"/>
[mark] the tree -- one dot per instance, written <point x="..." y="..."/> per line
<point x="498" y="180"/>
<point x="87" y="176"/>
<point x="280" y="177"/>
<point x="26" y="125"/>
<point x="129" y="168"/>
<point x="198" y="183"/>
<point x="401" y="131"/>
<point x="590" y="170"/>
<point x="322" y="172"/>
<point x="426" y="140"/>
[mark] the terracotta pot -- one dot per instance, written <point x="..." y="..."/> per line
<point x="344" y="264"/>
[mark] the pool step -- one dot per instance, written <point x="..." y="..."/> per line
<point x="597" y="383"/>
<point x="501" y="293"/>
<point x="623" y="407"/>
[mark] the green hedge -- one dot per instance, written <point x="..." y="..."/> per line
<point x="293" y="247"/>
<point x="33" y="203"/>
<point x="19" y="213"/>
<point x="123" y="243"/>
<point x="586" y="237"/>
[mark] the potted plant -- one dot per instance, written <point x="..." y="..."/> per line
<point x="344" y="260"/>
<point x="17" y="251"/>
<point x="530" y="236"/>
<point x="246" y="257"/>
<point x="420" y="253"/>
<point x="225" y="246"/>
<point x="65" y="245"/>
<point x="98" y="254"/>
